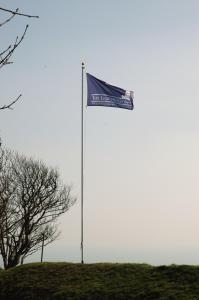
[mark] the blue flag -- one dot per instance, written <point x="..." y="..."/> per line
<point x="101" y="93"/>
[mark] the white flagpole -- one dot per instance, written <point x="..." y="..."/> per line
<point x="82" y="169"/>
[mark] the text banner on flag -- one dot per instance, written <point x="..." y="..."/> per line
<point x="101" y="93"/>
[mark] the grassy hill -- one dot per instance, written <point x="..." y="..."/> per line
<point x="63" y="281"/>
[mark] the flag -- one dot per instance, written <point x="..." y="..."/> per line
<point x="101" y="93"/>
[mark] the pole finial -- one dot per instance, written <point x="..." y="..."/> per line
<point x="83" y="65"/>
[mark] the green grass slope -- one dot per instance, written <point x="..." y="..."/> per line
<point x="63" y="281"/>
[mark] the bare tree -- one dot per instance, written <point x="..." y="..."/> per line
<point x="31" y="200"/>
<point x="6" y="54"/>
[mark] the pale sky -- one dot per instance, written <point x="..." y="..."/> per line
<point x="141" y="166"/>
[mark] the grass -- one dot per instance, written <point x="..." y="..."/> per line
<point x="63" y="281"/>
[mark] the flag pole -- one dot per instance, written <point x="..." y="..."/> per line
<point x="82" y="168"/>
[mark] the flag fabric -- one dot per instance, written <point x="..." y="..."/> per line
<point x="101" y="93"/>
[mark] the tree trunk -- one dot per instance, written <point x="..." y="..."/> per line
<point x="12" y="263"/>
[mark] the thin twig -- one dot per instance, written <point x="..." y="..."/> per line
<point x="17" y="13"/>
<point x="8" y="20"/>
<point x="9" y="106"/>
<point x="5" y="51"/>
<point x="5" y="59"/>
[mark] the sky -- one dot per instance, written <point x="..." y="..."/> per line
<point x="141" y="192"/>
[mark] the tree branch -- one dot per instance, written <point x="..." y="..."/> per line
<point x="8" y="20"/>
<point x="14" y="13"/>
<point x="3" y="52"/>
<point x="9" y="106"/>
<point x="6" y="54"/>
<point x="5" y="59"/>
